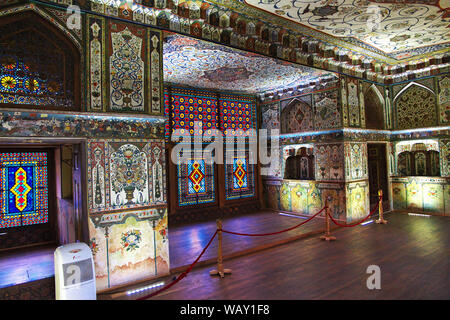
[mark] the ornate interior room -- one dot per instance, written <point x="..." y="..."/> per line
<point x="354" y="96"/>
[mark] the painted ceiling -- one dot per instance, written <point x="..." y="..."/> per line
<point x="389" y="27"/>
<point x="203" y="64"/>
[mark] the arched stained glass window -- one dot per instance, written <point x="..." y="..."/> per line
<point x="38" y="65"/>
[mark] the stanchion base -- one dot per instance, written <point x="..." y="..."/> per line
<point x="222" y="274"/>
<point x="381" y="221"/>
<point x="328" y="238"/>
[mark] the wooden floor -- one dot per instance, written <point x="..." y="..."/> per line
<point x="412" y="253"/>
<point x="187" y="241"/>
<point x="25" y="265"/>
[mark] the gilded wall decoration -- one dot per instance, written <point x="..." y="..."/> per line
<point x="270" y="116"/>
<point x="443" y="92"/>
<point x="421" y="194"/>
<point x="327" y="113"/>
<point x="306" y="197"/>
<point x="95" y="61"/>
<point x="353" y="103"/>
<point x="125" y="174"/>
<point x="34" y="124"/>
<point x="126" y="67"/>
<point x="297" y="115"/>
<point x="445" y="157"/>
<point x="355" y="161"/>
<point x="358" y="205"/>
<point x="415" y="108"/>
<point x="344" y="103"/>
<point x="329" y="162"/>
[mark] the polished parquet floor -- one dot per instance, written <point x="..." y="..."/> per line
<point x="411" y="251"/>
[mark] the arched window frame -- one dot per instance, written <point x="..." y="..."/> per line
<point x="54" y="35"/>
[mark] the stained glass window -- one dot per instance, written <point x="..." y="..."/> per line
<point x="189" y="106"/>
<point x="239" y="178"/>
<point x="35" y="70"/>
<point x="195" y="182"/>
<point x="236" y="113"/>
<point x="23" y="189"/>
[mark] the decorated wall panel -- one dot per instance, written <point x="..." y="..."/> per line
<point x="270" y="116"/>
<point x="95" y="61"/>
<point x="421" y="194"/>
<point x="124" y="174"/>
<point x="129" y="246"/>
<point x="297" y="115"/>
<point x="354" y="113"/>
<point x="443" y="93"/>
<point x="124" y="71"/>
<point x="306" y="197"/>
<point x="329" y="162"/>
<point x="357" y="195"/>
<point x="34" y="124"/>
<point x="327" y="112"/>
<point x="445" y="157"/>
<point x="355" y="161"/>
<point x="415" y="107"/>
<point x="126" y="60"/>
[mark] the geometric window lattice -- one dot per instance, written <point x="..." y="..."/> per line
<point x="239" y="179"/>
<point x="34" y="70"/>
<point x="189" y="106"/>
<point x="236" y="113"/>
<point x="195" y="182"/>
<point x="23" y="189"/>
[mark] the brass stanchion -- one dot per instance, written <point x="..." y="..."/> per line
<point x="220" y="269"/>
<point x="327" y="235"/>
<point x="380" y="208"/>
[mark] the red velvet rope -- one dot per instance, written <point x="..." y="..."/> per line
<point x="184" y="274"/>
<point x="359" y="222"/>
<point x="272" y="233"/>
<point x="181" y="276"/>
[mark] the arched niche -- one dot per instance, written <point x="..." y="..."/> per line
<point x="374" y="108"/>
<point x="297" y="116"/>
<point x="299" y="164"/>
<point x="419" y="160"/>
<point x="415" y="107"/>
<point x="39" y="65"/>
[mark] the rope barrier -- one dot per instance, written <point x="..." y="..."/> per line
<point x="272" y="233"/>
<point x="219" y="231"/>
<point x="356" y="223"/>
<point x="181" y="276"/>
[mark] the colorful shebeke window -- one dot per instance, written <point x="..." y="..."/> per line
<point x="237" y="115"/>
<point x="23" y="189"/>
<point x="239" y="178"/>
<point x="195" y="182"/>
<point x="34" y="70"/>
<point x="189" y="106"/>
